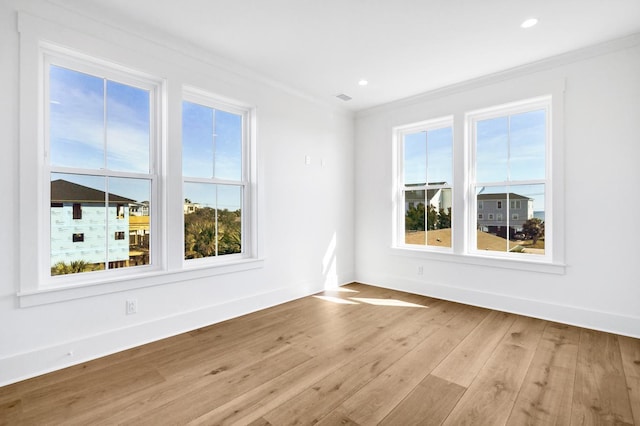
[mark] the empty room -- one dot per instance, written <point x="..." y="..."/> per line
<point x="320" y="212"/>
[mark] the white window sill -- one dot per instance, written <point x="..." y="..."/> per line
<point x="50" y="294"/>
<point x="520" y="263"/>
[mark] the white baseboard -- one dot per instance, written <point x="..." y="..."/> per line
<point x="566" y="314"/>
<point x="47" y="359"/>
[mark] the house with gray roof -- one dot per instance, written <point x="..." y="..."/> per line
<point x="502" y="211"/>
<point x="89" y="225"/>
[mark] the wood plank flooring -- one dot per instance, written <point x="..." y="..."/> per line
<point x="359" y="355"/>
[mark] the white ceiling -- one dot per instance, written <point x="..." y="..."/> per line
<point x="403" y="47"/>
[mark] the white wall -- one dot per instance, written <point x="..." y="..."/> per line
<point x="308" y="214"/>
<point x="600" y="287"/>
<point x="305" y="215"/>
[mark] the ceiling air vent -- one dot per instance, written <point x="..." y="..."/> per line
<point x="343" y="97"/>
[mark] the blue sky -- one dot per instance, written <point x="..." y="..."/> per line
<point x="511" y="148"/>
<point x="508" y="148"/>
<point x="212" y="148"/>
<point x="97" y="123"/>
<point x="428" y="156"/>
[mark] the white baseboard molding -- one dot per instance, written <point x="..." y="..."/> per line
<point x="566" y="314"/>
<point x="30" y="364"/>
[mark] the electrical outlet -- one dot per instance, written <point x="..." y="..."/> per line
<point x="420" y="270"/>
<point x="132" y="306"/>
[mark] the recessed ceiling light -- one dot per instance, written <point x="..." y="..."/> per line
<point x="363" y="82"/>
<point x="529" y="23"/>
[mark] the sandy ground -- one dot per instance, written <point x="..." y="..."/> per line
<point x="442" y="238"/>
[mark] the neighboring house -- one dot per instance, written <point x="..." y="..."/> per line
<point x="79" y="223"/>
<point x="191" y="207"/>
<point x="139" y="209"/>
<point x="438" y="198"/>
<point x="496" y="212"/>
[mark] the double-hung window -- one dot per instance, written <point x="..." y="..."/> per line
<point x="499" y="181"/>
<point x="112" y="197"/>
<point x="425" y="184"/>
<point x="100" y="146"/>
<point x="215" y="177"/>
<point x="509" y="147"/>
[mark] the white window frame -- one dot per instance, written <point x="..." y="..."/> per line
<point x="399" y="213"/>
<point x="37" y="36"/>
<point x="103" y="70"/>
<point x="201" y="97"/>
<point x="471" y="120"/>
<point x="479" y="96"/>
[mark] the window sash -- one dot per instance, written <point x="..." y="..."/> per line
<point x="400" y="134"/>
<point x="107" y="72"/>
<point x="216" y="103"/>
<point x="472" y="118"/>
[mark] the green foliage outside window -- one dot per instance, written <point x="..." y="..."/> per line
<point x="205" y="236"/>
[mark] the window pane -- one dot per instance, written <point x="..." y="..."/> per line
<point x="197" y="140"/>
<point x="492" y="227"/>
<point x="439" y="217"/>
<point x="527" y="147"/>
<point x="414" y="217"/>
<point x="527" y="219"/>
<point x="129" y="213"/>
<point x="128" y="128"/>
<point x="415" y="158"/>
<point x="212" y="220"/>
<point x="229" y="219"/>
<point x="492" y="145"/>
<point x="76" y="128"/>
<point x="520" y="228"/>
<point x="228" y="146"/>
<point x="77" y="245"/>
<point x="92" y="241"/>
<point x="200" y="233"/>
<point x="440" y="156"/>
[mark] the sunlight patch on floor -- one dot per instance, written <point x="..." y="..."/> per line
<point x="387" y="302"/>
<point x="369" y="301"/>
<point x="341" y="290"/>
<point x="336" y="300"/>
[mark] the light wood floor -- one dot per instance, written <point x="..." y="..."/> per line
<point x="360" y="356"/>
